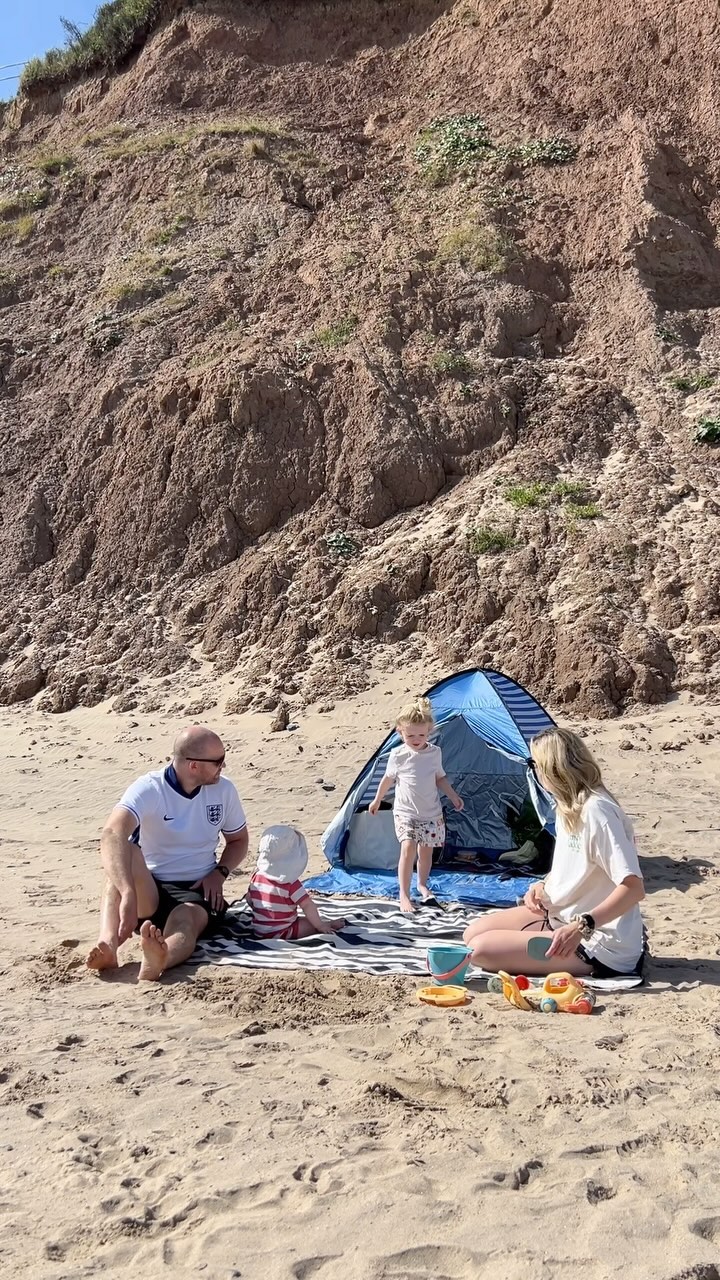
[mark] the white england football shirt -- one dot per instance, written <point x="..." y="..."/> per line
<point x="179" y="833"/>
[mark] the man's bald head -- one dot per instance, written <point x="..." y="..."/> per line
<point x="198" y="743"/>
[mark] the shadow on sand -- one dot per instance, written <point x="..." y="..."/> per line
<point x="664" y="872"/>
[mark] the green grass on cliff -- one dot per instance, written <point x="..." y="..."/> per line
<point x="119" y="28"/>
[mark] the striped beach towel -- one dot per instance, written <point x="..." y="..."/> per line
<point x="377" y="939"/>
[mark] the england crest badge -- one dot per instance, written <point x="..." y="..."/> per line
<point x="214" y="813"/>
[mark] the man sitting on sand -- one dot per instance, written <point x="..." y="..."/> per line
<point x="158" y="851"/>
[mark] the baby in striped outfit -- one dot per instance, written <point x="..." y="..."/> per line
<point x="276" y="893"/>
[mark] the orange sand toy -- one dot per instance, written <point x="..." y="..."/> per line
<point x="444" y="997"/>
<point x="558" y="993"/>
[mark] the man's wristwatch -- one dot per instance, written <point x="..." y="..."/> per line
<point x="224" y="871"/>
<point x="585" y="923"/>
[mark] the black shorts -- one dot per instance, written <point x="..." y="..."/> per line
<point x="600" y="970"/>
<point x="174" y="893"/>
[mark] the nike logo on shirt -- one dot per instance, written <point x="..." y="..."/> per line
<point x="166" y="819"/>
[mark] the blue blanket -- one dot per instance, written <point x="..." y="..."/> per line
<point x="476" y="890"/>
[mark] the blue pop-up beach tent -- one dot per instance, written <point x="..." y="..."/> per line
<point x="485" y="722"/>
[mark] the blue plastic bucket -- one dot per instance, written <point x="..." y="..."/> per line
<point x="448" y="965"/>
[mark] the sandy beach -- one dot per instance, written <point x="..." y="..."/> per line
<point x="282" y="1126"/>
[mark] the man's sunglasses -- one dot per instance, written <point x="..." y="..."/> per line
<point x="206" y="759"/>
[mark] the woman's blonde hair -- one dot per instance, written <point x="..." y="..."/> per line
<point x="418" y="712"/>
<point x="570" y="770"/>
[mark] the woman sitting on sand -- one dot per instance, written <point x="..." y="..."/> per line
<point x="589" y="901"/>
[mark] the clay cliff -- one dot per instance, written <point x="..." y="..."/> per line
<point x="330" y="328"/>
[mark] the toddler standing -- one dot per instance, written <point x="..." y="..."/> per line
<point x="416" y="770"/>
<point x="276" y="892"/>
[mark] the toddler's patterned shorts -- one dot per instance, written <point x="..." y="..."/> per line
<point x="432" y="833"/>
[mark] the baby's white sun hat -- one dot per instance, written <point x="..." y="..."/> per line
<point x="282" y="853"/>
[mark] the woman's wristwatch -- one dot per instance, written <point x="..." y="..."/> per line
<point x="585" y="924"/>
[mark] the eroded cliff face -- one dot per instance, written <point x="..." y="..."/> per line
<point x="274" y="385"/>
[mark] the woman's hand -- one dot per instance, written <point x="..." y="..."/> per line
<point x="373" y="808"/>
<point x="536" y="899"/>
<point x="565" y="941"/>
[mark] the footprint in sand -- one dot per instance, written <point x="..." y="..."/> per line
<point x="70" y="1042"/>
<point x="320" y="1177"/>
<point x="707" y="1229"/>
<point x="521" y="1176"/>
<point x="308" y="1267"/>
<point x="596" y="1193"/>
<point x="215" y="1138"/>
<point x="635" y="1144"/>
<point x="431" y="1262"/>
<point x="611" y="1043"/>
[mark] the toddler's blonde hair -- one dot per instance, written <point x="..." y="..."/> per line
<point x="570" y="769"/>
<point x="418" y="712"/>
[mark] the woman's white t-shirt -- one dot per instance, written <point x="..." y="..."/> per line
<point x="415" y="774"/>
<point x="587" y="865"/>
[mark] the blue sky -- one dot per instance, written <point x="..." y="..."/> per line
<point x="33" y="27"/>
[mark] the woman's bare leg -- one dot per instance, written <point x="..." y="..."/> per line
<point x="513" y="919"/>
<point x="506" y="949"/>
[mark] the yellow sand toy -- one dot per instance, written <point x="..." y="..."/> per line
<point x="444" y="997"/>
<point x="558" y="993"/>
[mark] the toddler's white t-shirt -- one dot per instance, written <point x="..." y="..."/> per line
<point x="587" y="865"/>
<point x="179" y="833"/>
<point x="416" y="774"/>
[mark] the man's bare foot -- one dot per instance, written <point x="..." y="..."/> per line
<point x="154" y="948"/>
<point x="102" y="957"/>
<point x="406" y="906"/>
